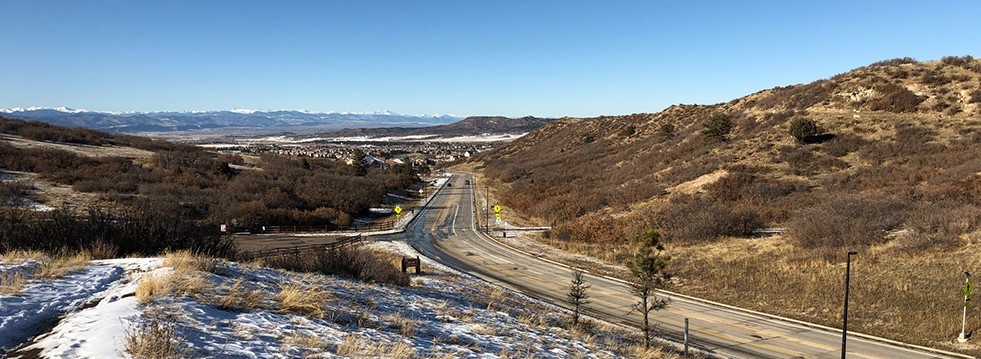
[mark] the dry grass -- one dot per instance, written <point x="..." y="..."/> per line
<point x="12" y="283"/>
<point x="186" y="261"/>
<point x="310" y="341"/>
<point x="237" y="297"/>
<point x="153" y="286"/>
<point x="20" y="255"/>
<point x="889" y="290"/>
<point x="154" y="338"/>
<point x="350" y="345"/>
<point x="355" y="346"/>
<point x="302" y="299"/>
<point x="62" y="264"/>
<point x="407" y="326"/>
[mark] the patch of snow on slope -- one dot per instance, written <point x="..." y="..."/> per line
<point x="41" y="302"/>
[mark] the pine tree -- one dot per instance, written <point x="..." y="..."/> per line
<point x="648" y="268"/>
<point x="577" y="296"/>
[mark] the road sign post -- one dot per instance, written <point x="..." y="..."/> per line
<point x="686" y="336"/>
<point x="398" y="214"/>
<point x="968" y="288"/>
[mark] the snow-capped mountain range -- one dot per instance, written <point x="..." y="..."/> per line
<point x="219" y="121"/>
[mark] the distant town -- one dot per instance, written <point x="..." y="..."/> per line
<point x="378" y="154"/>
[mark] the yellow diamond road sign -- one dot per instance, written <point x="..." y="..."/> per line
<point x="497" y="208"/>
<point x="398" y="209"/>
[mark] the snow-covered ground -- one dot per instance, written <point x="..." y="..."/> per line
<point x="90" y="313"/>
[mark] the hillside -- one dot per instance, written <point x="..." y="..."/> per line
<point x="183" y="306"/>
<point x="470" y="126"/>
<point x="892" y="171"/>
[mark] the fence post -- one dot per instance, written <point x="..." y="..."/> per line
<point x="418" y="265"/>
<point x="403" y="264"/>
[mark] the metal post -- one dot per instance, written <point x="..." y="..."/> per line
<point x="963" y="337"/>
<point x="686" y="336"/>
<point x="487" y="210"/>
<point x="844" y="323"/>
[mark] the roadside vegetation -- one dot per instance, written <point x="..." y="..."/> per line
<point x="882" y="160"/>
<point x="176" y="198"/>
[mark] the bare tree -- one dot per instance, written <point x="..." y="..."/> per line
<point x="577" y="296"/>
<point x="648" y="269"/>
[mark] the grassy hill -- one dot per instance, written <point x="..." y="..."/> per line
<point x="892" y="171"/>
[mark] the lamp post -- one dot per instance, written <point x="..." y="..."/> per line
<point x="844" y="323"/>
<point x="968" y="287"/>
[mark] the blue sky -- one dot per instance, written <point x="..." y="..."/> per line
<point x="515" y="58"/>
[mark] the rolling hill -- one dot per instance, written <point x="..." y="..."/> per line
<point x="892" y="171"/>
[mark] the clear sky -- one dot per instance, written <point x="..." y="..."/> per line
<point x="515" y="58"/>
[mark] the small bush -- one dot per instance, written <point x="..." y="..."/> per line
<point x="666" y="130"/>
<point x="717" y="127"/>
<point x="803" y="129"/>
<point x="306" y="300"/>
<point x="154" y="338"/>
<point x="896" y="99"/>
<point x="975" y="97"/>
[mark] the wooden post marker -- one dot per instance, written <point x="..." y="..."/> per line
<point x="412" y="262"/>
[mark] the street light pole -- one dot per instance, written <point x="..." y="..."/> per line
<point x="844" y="323"/>
<point x="487" y="209"/>
<point x="967" y="301"/>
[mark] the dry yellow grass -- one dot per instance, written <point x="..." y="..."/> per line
<point x="350" y="345"/>
<point x="309" y="341"/>
<point x="62" y="264"/>
<point x="186" y="261"/>
<point x="302" y="299"/>
<point x="153" y="286"/>
<point x="238" y="297"/>
<point x="12" y="283"/>
<point x="19" y="255"/>
<point x="406" y="325"/>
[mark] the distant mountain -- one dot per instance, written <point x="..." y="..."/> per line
<point x="470" y="126"/>
<point x="221" y="121"/>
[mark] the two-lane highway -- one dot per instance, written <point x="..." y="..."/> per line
<point x="446" y="233"/>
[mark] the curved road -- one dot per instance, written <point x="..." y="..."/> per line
<point x="446" y="233"/>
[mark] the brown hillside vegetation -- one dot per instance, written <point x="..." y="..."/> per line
<point x="172" y="196"/>
<point x="893" y="171"/>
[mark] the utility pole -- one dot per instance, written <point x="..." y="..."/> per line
<point x="968" y="287"/>
<point x="487" y="210"/>
<point x="844" y="323"/>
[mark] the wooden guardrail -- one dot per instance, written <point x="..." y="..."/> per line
<point x="343" y="242"/>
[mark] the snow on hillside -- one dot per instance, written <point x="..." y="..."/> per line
<point x="235" y="310"/>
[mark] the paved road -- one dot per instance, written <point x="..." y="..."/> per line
<point x="446" y="233"/>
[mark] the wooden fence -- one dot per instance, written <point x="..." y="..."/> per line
<point x="343" y="242"/>
<point x="366" y="227"/>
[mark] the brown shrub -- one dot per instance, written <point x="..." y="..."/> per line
<point x="688" y="219"/>
<point x="355" y="262"/>
<point x="846" y="222"/>
<point x="896" y="99"/>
